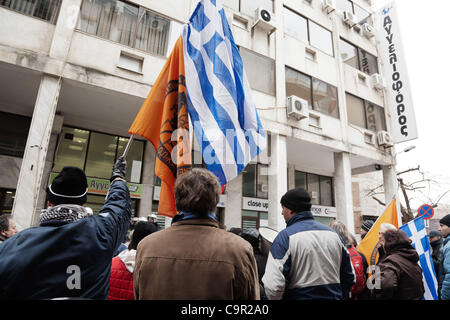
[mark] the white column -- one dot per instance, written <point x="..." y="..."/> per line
<point x="65" y="26"/>
<point x="33" y="161"/>
<point x="233" y="209"/>
<point x="391" y="188"/>
<point x="277" y="180"/>
<point x="343" y="189"/>
<point x="148" y="178"/>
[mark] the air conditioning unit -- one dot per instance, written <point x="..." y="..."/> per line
<point x="329" y="6"/>
<point x="349" y="18"/>
<point x="368" y="31"/>
<point x="378" y="81"/>
<point x="264" y="20"/>
<point x="384" y="139"/>
<point x="297" y="108"/>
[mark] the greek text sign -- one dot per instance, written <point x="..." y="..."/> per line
<point x="101" y="186"/>
<point x="403" y="120"/>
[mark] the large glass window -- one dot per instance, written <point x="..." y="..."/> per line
<point x="320" y="95"/>
<point x="307" y="31"/>
<point x="319" y="187"/>
<point x="260" y="71"/>
<point x="96" y="153"/>
<point x="254" y="219"/>
<point x="255" y="181"/>
<point x="368" y="63"/>
<point x="362" y="16"/>
<point x="365" y="114"/>
<point x="325" y="98"/>
<point x="358" y="58"/>
<point x="72" y="148"/>
<point x="298" y="84"/>
<point x="295" y="25"/>
<point x="375" y="119"/>
<point x="124" y="23"/>
<point x="349" y="54"/>
<point x="13" y="134"/>
<point x="6" y="200"/>
<point x="355" y="111"/>
<point x="320" y="38"/>
<point x="42" y="9"/>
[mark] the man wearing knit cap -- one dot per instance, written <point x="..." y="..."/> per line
<point x="307" y="260"/>
<point x="444" y="269"/>
<point x="69" y="254"/>
<point x="365" y="227"/>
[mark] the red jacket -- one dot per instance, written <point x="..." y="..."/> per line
<point x="121" y="281"/>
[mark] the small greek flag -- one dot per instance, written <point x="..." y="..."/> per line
<point x="224" y="117"/>
<point x="416" y="231"/>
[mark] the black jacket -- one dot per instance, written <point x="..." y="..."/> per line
<point x="47" y="261"/>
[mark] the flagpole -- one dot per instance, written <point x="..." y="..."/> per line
<point x="127" y="148"/>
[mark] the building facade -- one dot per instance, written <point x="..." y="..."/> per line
<point x="74" y="73"/>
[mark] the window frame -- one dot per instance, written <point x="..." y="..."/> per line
<point x="311" y="92"/>
<point x="60" y="137"/>
<point x="365" y="106"/>
<point x="358" y="56"/>
<point x="255" y="180"/>
<point x="135" y="31"/>
<point x="320" y="177"/>
<point x="308" y="32"/>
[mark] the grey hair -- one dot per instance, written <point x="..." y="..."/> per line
<point x="387" y="227"/>
<point x="341" y="230"/>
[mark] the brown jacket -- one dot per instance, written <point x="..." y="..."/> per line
<point x="401" y="276"/>
<point x="194" y="259"/>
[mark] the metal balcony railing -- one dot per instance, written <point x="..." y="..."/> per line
<point x="42" y="9"/>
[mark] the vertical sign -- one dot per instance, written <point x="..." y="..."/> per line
<point x="398" y="91"/>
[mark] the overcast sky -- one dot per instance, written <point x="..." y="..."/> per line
<point x="424" y="29"/>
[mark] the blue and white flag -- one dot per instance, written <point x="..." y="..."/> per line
<point x="416" y="231"/>
<point x="224" y="117"/>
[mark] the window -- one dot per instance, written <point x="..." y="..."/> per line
<point x="298" y="84"/>
<point x="365" y="114"/>
<point x="96" y="153"/>
<point x="320" y="95"/>
<point x="305" y="30"/>
<point x="42" y="9"/>
<point x="101" y="155"/>
<point x="6" y="200"/>
<point x="325" y="98"/>
<point x="248" y="7"/>
<point x="255" y="181"/>
<point x="319" y="187"/>
<point x="124" y="23"/>
<point x="254" y="219"/>
<point x="260" y="71"/>
<point x="295" y="25"/>
<point x="13" y="134"/>
<point x="355" y="111"/>
<point x="358" y="58"/>
<point x="362" y="16"/>
<point x="349" y="54"/>
<point x="320" y="38"/>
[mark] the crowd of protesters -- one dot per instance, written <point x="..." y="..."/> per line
<point x="73" y="254"/>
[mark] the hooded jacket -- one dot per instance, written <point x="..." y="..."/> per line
<point x="66" y="259"/>
<point x="400" y="273"/>
<point x="308" y="260"/>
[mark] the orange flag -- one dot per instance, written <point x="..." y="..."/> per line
<point x="164" y="121"/>
<point x="370" y="244"/>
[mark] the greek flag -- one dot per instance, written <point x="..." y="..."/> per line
<point x="416" y="231"/>
<point x="224" y="117"/>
